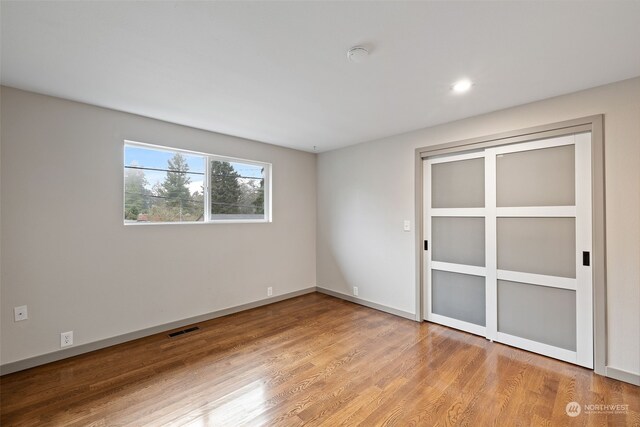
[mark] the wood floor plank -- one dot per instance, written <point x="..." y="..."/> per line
<point x="313" y="360"/>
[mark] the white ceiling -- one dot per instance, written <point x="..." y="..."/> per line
<point x="277" y="71"/>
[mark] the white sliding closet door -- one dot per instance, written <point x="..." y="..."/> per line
<point x="455" y="231"/>
<point x="509" y="235"/>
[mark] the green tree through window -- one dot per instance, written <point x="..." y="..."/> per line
<point x="259" y="201"/>
<point x="136" y="195"/>
<point x="225" y="188"/>
<point x="176" y="202"/>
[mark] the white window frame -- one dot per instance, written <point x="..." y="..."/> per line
<point x="208" y="157"/>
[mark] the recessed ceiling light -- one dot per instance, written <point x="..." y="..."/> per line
<point x="357" y="54"/>
<point x="462" y="86"/>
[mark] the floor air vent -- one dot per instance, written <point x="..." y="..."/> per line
<point x="184" y="331"/>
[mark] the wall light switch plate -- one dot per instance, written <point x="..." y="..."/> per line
<point x="407" y="225"/>
<point x="20" y="313"/>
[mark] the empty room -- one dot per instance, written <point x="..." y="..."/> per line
<point x="320" y="213"/>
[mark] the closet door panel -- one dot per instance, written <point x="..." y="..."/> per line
<point x="542" y="177"/>
<point x="458" y="184"/>
<point x="458" y="240"/>
<point x="537" y="245"/>
<point x="538" y="313"/>
<point x="459" y="296"/>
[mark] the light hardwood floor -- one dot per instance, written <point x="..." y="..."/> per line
<point x="311" y="360"/>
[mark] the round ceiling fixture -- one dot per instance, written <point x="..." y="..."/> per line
<point x="462" y="86"/>
<point x="357" y="54"/>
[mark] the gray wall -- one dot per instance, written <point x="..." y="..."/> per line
<point x="367" y="190"/>
<point x="67" y="255"/>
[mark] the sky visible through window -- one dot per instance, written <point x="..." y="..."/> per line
<point x="157" y="159"/>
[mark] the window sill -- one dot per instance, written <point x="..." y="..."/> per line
<point x="228" y="221"/>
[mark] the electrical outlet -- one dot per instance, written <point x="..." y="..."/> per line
<point x="269" y="291"/>
<point x="20" y="313"/>
<point x="66" y="339"/>
<point x="355" y="291"/>
<point x="407" y="225"/>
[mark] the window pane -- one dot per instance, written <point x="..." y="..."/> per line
<point x="159" y="159"/>
<point x="163" y="186"/>
<point x="237" y="190"/>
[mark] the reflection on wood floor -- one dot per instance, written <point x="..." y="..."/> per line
<point x="311" y="360"/>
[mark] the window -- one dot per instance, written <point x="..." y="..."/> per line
<point x="164" y="185"/>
